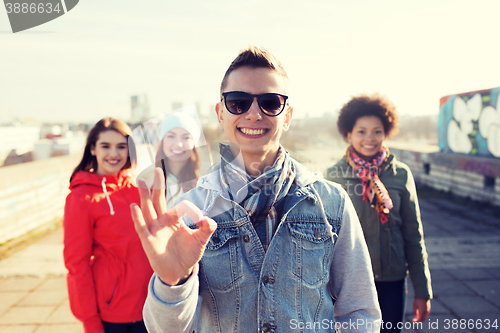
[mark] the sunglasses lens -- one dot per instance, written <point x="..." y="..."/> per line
<point x="272" y="103"/>
<point x="238" y="103"/>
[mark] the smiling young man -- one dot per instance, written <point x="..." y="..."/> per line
<point x="277" y="248"/>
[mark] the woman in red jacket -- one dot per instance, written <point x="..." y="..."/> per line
<point x="108" y="271"/>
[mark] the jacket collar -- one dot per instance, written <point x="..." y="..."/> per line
<point x="303" y="178"/>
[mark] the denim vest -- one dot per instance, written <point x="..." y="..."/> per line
<point x="289" y="288"/>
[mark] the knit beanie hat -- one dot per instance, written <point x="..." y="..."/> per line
<point x="182" y="120"/>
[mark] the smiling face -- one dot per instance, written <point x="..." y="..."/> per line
<point x="178" y="145"/>
<point x="256" y="134"/>
<point x="111" y="152"/>
<point x="367" y="136"/>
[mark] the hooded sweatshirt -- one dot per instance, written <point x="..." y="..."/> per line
<point x="108" y="271"/>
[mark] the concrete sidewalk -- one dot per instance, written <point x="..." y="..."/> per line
<point x="33" y="290"/>
<point x="463" y="248"/>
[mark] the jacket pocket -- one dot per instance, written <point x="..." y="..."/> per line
<point x="312" y="246"/>
<point x="396" y="253"/>
<point x="107" y="277"/>
<point x="110" y="298"/>
<point x="221" y="260"/>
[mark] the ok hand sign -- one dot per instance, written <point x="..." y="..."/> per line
<point x="172" y="248"/>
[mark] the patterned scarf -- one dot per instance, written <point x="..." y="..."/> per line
<point x="374" y="191"/>
<point x="262" y="197"/>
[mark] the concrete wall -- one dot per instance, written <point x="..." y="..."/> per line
<point x="33" y="194"/>
<point x="474" y="177"/>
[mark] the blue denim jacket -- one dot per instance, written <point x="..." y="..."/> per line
<point x="315" y="276"/>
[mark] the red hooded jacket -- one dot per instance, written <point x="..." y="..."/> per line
<point x="108" y="269"/>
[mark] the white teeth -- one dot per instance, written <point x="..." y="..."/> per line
<point x="178" y="151"/>
<point x="252" y="132"/>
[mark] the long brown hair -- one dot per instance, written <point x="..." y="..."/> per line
<point x="189" y="174"/>
<point x="89" y="162"/>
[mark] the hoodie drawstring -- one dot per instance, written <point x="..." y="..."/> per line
<point x="103" y="183"/>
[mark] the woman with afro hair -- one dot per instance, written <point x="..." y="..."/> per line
<point x="383" y="192"/>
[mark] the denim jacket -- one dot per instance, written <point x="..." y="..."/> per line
<point x="315" y="276"/>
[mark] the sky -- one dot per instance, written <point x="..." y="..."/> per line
<point x="86" y="64"/>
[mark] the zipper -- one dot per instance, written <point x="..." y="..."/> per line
<point x="114" y="291"/>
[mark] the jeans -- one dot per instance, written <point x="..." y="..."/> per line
<point x="392" y="299"/>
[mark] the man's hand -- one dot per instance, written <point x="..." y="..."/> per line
<point x="172" y="248"/>
<point x="421" y="309"/>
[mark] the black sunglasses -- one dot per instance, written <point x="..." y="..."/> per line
<point x="238" y="102"/>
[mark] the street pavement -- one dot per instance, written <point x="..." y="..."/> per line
<point x="33" y="290"/>
<point x="463" y="243"/>
<point x="463" y="246"/>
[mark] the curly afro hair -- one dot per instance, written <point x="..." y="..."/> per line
<point x="366" y="105"/>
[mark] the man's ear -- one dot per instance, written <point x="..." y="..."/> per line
<point x="288" y="119"/>
<point x="219" y="109"/>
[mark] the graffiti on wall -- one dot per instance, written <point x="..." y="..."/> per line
<point x="482" y="166"/>
<point x="469" y="123"/>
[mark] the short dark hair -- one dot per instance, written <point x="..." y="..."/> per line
<point x="89" y="162"/>
<point x="254" y="57"/>
<point x="368" y="105"/>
